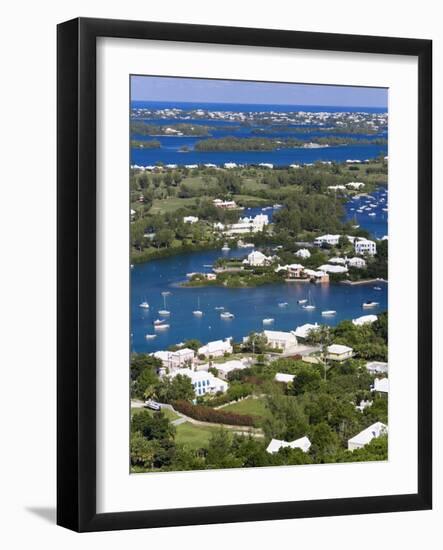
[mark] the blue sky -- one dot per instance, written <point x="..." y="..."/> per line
<point x="152" y="88"/>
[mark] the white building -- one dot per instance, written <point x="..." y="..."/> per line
<point x="276" y="444"/>
<point x="377" y="367"/>
<point x="266" y="165"/>
<point x="257" y="258"/>
<point x="280" y="340"/>
<point x="359" y="263"/>
<point x="355" y="184"/>
<point x="337" y="352"/>
<point x="329" y="268"/>
<point x="217" y="348"/>
<point x="364" y="320"/>
<point x="365" y="246"/>
<point x="337" y="261"/>
<point x="303" y="253"/>
<point x="224" y="369"/>
<point x="190" y="219"/>
<point x="331" y="240"/>
<point x="381" y="385"/>
<point x="175" y="359"/>
<point x="203" y="381"/>
<point x="367" y="435"/>
<point x="304" y="330"/>
<point x="227" y="205"/>
<point x="284" y="378"/>
<point x="230" y="165"/>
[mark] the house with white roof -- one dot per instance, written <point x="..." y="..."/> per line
<point x="280" y="340"/>
<point x="203" y="381"/>
<point x="284" y="378"/>
<point x="304" y="330"/>
<point x="377" y="367"/>
<point x="337" y="261"/>
<point x="224" y="369"/>
<point x="381" y="385"/>
<point x="257" y="258"/>
<point x="303" y="253"/>
<point x="367" y="435"/>
<point x="364" y="320"/>
<point x="190" y="219"/>
<point x="338" y="352"/>
<point x="330" y="268"/>
<point x="317" y="276"/>
<point x="294" y="271"/>
<point x="355" y="184"/>
<point x="357" y="262"/>
<point x="175" y="359"/>
<point x="331" y="240"/>
<point x="302" y="443"/>
<point x="365" y="246"/>
<point x="217" y="348"/>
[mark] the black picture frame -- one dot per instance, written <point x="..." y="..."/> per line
<point x="76" y="293"/>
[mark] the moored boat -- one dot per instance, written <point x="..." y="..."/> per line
<point x="369" y="304"/>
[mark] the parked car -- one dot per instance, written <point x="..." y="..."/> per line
<point x="153" y="405"/>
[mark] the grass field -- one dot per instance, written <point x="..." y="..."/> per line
<point x="163" y="206"/>
<point x="255" y="407"/>
<point x="171" y="415"/>
<point x="193" y="436"/>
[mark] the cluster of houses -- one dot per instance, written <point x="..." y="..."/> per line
<point x="351" y="185"/>
<point x="361" y="245"/>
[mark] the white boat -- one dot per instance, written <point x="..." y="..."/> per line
<point x="144" y="305"/>
<point x="328" y="313"/>
<point x="282" y="304"/>
<point x="158" y="322"/>
<point x="225" y="247"/>
<point x="377" y="287"/>
<point x="218" y="308"/>
<point x="303" y="301"/>
<point x="163" y="326"/>
<point x="150" y="336"/>
<point x="166" y="293"/>
<point x="164" y="311"/>
<point x="369" y="304"/>
<point x="226" y="315"/>
<point x="268" y="321"/>
<point x="372" y="214"/>
<point x="309" y="305"/>
<point x="198" y="312"/>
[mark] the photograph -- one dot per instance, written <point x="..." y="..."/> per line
<point x="258" y="274"/>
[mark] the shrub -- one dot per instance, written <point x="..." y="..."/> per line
<point x="206" y="414"/>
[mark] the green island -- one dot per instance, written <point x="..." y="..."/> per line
<point x="141" y="128"/>
<point x="145" y="144"/>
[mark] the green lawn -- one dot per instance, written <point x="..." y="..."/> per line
<point x="162" y="206"/>
<point x="194" y="437"/>
<point x="255" y="407"/>
<point x="167" y="412"/>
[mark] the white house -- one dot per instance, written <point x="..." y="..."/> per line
<point x="330" y="268"/>
<point x="257" y="258"/>
<point x="203" y="381"/>
<point x="304" y="330"/>
<point x="337" y="352"/>
<point x="190" y="219"/>
<point x="365" y="246"/>
<point x="364" y="320"/>
<point x="279" y="339"/>
<point x="381" y="385"/>
<point x="332" y="240"/>
<point x="359" y="263"/>
<point x="217" y="348"/>
<point x="224" y="369"/>
<point x="367" y="435"/>
<point x="284" y="378"/>
<point x="266" y="165"/>
<point x="337" y="261"/>
<point x="355" y="184"/>
<point x="377" y="367"/>
<point x="175" y="359"/>
<point x="276" y="444"/>
<point x="303" y="253"/>
<point x="230" y="165"/>
<point x="227" y="205"/>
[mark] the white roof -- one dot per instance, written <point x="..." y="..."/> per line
<point x="276" y="444"/>
<point x="282" y="377"/>
<point x="194" y="375"/>
<point x="364" y="320"/>
<point x="215" y="345"/>
<point x="337" y="261"/>
<point x="229" y="366"/>
<point x="329" y="268"/>
<point x="377" y="366"/>
<point x="162" y="355"/>
<point x="278" y="335"/>
<point x="256" y="254"/>
<point x="304" y="330"/>
<point x="381" y="384"/>
<point x="184" y="351"/>
<point x="338" y="348"/>
<point x="303" y="253"/>
<point x="367" y="435"/>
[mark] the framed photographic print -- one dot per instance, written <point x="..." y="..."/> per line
<point x="244" y="274"/>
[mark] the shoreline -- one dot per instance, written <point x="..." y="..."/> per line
<point x="363" y="282"/>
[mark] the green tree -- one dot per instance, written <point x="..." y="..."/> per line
<point x="152" y="425"/>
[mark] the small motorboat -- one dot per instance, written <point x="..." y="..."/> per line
<point x="282" y="304"/>
<point x="158" y="322"/>
<point x="329" y="313"/>
<point x="163" y="326"/>
<point x="144" y="305"/>
<point x="150" y="336"/>
<point x="226" y="315"/>
<point x="303" y="301"/>
<point x="377" y="287"/>
<point x="219" y="308"/>
<point x="369" y="304"/>
<point x="268" y="321"/>
<point x="225" y="247"/>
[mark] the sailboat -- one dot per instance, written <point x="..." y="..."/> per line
<point x="144" y="305"/>
<point x="164" y="311"/>
<point x="198" y="312"/>
<point x="309" y="305"/>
